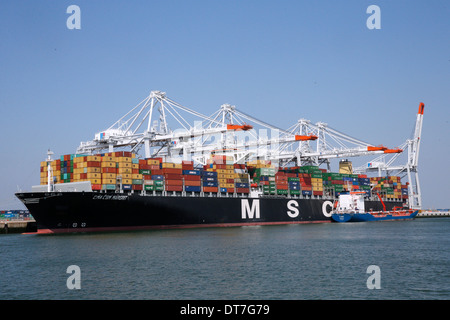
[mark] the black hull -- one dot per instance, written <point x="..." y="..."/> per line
<point x="91" y="211"/>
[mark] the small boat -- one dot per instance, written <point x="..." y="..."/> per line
<point x="350" y="208"/>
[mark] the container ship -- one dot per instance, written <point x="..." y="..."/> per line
<point x="219" y="187"/>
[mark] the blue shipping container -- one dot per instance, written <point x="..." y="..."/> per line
<point x="241" y="185"/>
<point x="192" y="189"/>
<point x="192" y="172"/>
<point x="126" y="186"/>
<point x="209" y="174"/>
<point x="210" y="179"/>
<point x="157" y="177"/>
<point x="210" y="183"/>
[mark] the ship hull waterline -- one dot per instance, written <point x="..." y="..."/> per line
<point x="60" y="212"/>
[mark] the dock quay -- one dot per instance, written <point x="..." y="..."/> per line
<point x="433" y="213"/>
<point x="18" y="226"/>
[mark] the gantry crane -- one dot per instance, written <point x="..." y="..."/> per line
<point x="230" y="131"/>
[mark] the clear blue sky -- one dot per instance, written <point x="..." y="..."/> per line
<point x="277" y="60"/>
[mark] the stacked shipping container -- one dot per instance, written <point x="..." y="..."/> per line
<point x="110" y="171"/>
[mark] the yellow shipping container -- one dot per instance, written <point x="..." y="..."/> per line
<point x="125" y="165"/>
<point x="94" y="175"/>
<point x="92" y="170"/>
<point x="108" y="164"/>
<point x="153" y="162"/>
<point x="124" y="176"/>
<point x="123" y="159"/>
<point x="124" y="170"/>
<point x="109" y="175"/>
<point x="135" y="165"/>
<point x="136" y="176"/>
<point x="168" y="165"/>
<point x="108" y="181"/>
<point x="108" y="159"/>
<point x="92" y="158"/>
<point x="95" y="181"/>
<point x="127" y="181"/>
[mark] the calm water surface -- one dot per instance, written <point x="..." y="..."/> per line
<point x="314" y="261"/>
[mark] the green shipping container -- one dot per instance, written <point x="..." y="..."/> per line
<point x="144" y="171"/>
<point x="148" y="187"/>
<point x="136" y="181"/>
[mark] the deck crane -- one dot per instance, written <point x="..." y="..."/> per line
<point x="227" y="131"/>
<point x="386" y="163"/>
<point x="195" y="138"/>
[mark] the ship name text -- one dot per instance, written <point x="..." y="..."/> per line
<point x="109" y="197"/>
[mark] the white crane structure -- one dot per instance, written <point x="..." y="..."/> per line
<point x="167" y="129"/>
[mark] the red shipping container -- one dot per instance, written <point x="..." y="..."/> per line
<point x="174" y="182"/>
<point x="136" y="186"/>
<point x="94" y="164"/>
<point x="109" y="170"/>
<point x="157" y="172"/>
<point x="191" y="177"/>
<point x="142" y="162"/>
<point x="318" y="193"/>
<point x="210" y="189"/>
<point x="172" y="170"/>
<point x="242" y="190"/>
<point x="172" y="176"/>
<point x="96" y="187"/>
<point x="146" y="177"/>
<point x="230" y="190"/>
<point x="282" y="186"/>
<point x="174" y="188"/>
<point x="135" y="171"/>
<point x="187" y="167"/>
<point x="145" y="166"/>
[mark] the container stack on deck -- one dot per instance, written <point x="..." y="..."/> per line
<point x="122" y="170"/>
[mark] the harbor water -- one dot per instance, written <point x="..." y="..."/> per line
<point x="295" y="262"/>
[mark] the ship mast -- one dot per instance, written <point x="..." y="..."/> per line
<point x="49" y="171"/>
